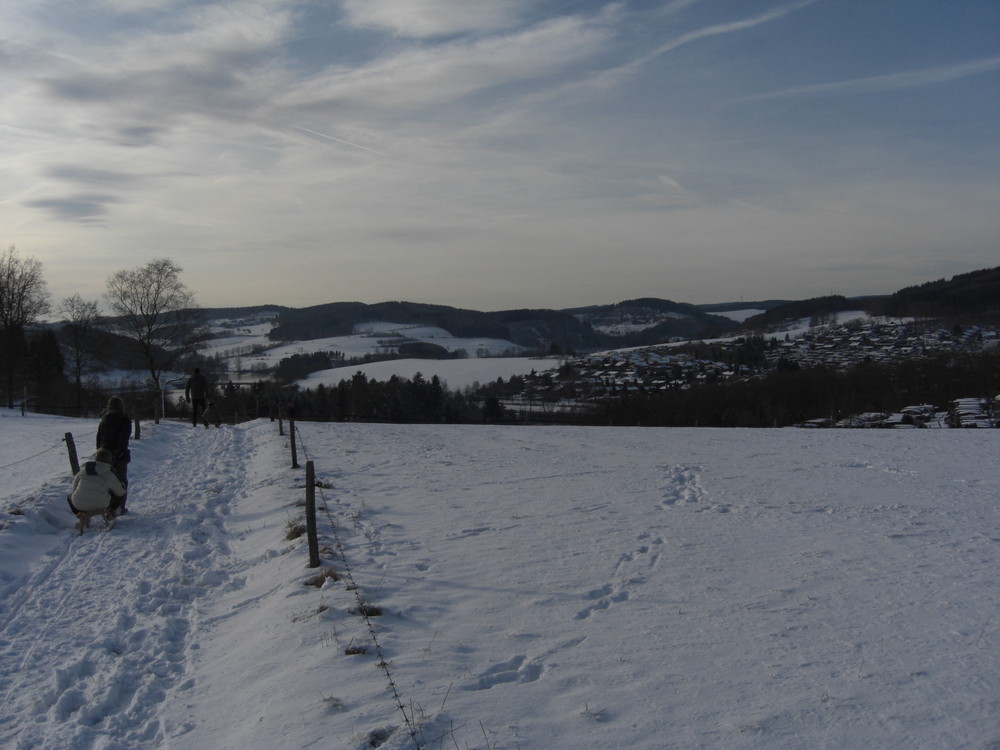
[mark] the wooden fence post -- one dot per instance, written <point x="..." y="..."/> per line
<point x="74" y="462"/>
<point x="291" y="434"/>
<point x="311" y="515"/>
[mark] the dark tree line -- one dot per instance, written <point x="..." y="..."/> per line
<point x="394" y="400"/>
<point x="794" y="395"/>
<point x="969" y="294"/>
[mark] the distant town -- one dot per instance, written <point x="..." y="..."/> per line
<point x="583" y="383"/>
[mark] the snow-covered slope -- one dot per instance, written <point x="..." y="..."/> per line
<point x="246" y="353"/>
<point x="538" y="587"/>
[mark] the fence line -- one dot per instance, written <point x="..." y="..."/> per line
<point x="29" y="458"/>
<point x="364" y="609"/>
<point x="70" y="443"/>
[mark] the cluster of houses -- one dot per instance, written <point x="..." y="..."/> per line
<point x="963" y="412"/>
<point x="644" y="370"/>
<point x="877" y="341"/>
<point x="974" y="412"/>
<point x="583" y="381"/>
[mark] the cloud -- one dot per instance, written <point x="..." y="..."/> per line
<point x="136" y="135"/>
<point x="889" y="82"/>
<point x="434" y="18"/>
<point x="425" y="77"/>
<point x="723" y="28"/>
<point x="610" y="77"/>
<point x="91" y="176"/>
<point x="338" y="140"/>
<point x="84" y="208"/>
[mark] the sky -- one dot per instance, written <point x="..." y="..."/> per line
<point x="496" y="154"/>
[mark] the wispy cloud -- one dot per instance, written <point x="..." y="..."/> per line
<point x="889" y="82"/>
<point x="611" y="76"/>
<point x="432" y="18"/>
<point x="339" y="140"/>
<point x="423" y="77"/>
<point x="722" y="29"/>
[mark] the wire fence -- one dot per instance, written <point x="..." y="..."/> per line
<point x="365" y="609"/>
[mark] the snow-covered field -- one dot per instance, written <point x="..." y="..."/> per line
<point x="539" y="588"/>
<point x="484" y="363"/>
<point x="456" y="374"/>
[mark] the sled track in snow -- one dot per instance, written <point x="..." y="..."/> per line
<point x="119" y="608"/>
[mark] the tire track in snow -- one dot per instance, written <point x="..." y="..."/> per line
<point x="120" y="608"/>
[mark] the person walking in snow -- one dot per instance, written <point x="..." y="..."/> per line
<point x="96" y="487"/>
<point x="113" y="434"/>
<point x="195" y="394"/>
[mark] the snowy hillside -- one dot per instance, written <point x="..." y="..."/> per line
<point x="245" y="352"/>
<point x="532" y="588"/>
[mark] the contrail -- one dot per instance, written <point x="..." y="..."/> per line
<point x="24" y="192"/>
<point x="888" y="82"/>
<point x="340" y="140"/>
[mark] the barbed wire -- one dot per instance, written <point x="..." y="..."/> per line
<point x="363" y="608"/>
<point x="29" y="458"/>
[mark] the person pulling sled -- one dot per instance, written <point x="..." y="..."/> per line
<point x="113" y="435"/>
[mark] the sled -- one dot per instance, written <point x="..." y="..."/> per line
<point x="84" y="517"/>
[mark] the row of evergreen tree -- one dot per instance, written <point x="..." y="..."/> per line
<point x="785" y="397"/>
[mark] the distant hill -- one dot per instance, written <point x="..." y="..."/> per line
<point x="624" y="324"/>
<point x="235" y="313"/>
<point x="650" y="320"/>
<point x="975" y="293"/>
<point x="723" y="307"/>
<point x="807" y="308"/>
<point x="339" y="319"/>
<point x="639" y="322"/>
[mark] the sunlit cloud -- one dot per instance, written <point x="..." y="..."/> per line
<point x="430" y="18"/>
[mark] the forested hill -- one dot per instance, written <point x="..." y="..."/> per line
<point x="968" y="295"/>
<point x="624" y="324"/>
<point x="807" y="308"/>
<point x="976" y="293"/>
<point x="637" y="322"/>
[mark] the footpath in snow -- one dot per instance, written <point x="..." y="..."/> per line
<point x="525" y="588"/>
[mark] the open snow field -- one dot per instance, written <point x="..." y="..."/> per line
<point x="455" y="374"/>
<point x="539" y="588"/>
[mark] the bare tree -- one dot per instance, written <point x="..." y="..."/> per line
<point x="154" y="309"/>
<point x="24" y="298"/>
<point x="79" y="326"/>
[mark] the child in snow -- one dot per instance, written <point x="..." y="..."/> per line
<point x="211" y="415"/>
<point x="95" y="486"/>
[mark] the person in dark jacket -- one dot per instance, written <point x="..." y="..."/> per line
<point x="195" y="394"/>
<point x="113" y="435"/>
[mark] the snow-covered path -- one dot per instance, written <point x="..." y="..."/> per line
<point x="108" y="621"/>
<point x="556" y="588"/>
